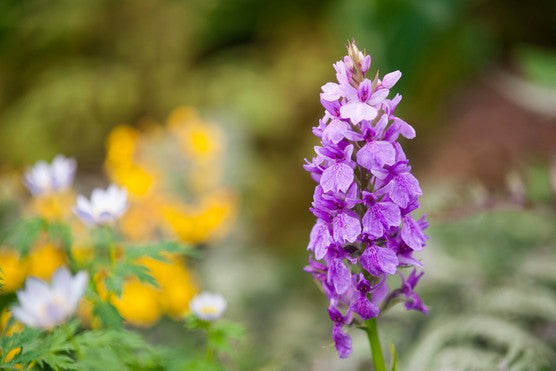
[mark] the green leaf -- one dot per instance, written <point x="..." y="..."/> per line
<point x="61" y="233"/>
<point x="192" y="322"/>
<point x="222" y="334"/>
<point x="538" y="64"/>
<point x="24" y="234"/>
<point x="157" y="250"/>
<point x="394" y="356"/>
<point x="108" y="314"/>
<point x="109" y="349"/>
<point x="103" y="237"/>
<point x="125" y="269"/>
<point x="139" y="271"/>
<point x="51" y="350"/>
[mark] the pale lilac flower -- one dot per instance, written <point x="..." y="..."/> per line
<point x="46" y="306"/>
<point x="362" y="108"/>
<point x="208" y="306"/>
<point x="364" y="199"/>
<point x="44" y="178"/>
<point x="105" y="206"/>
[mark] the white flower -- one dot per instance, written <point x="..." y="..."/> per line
<point x="44" y="178"/>
<point x="46" y="306"/>
<point x="208" y="306"/>
<point x="105" y="206"/>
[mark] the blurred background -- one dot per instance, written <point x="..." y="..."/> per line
<point x="479" y="86"/>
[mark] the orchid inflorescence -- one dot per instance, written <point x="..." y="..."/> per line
<point x="364" y="199"/>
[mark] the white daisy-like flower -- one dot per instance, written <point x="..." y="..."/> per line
<point x="44" y="178"/>
<point x="46" y="306"/>
<point x="208" y="306"/>
<point x="104" y="207"/>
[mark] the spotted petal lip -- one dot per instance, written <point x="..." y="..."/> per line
<point x="46" y="306"/>
<point x="105" y="206"/>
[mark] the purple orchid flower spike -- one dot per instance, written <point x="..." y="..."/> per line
<point x="364" y="200"/>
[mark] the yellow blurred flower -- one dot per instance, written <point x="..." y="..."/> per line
<point x="82" y="254"/>
<point x="121" y="165"/>
<point x="54" y="206"/>
<point x="139" y="303"/>
<point x="181" y="114"/>
<point x="121" y="144"/>
<point x="142" y="304"/>
<point x="197" y="138"/>
<point x="14" y="269"/>
<point x="142" y="219"/>
<point x="177" y="286"/>
<point x="43" y="260"/>
<point x="206" y="222"/>
<point x="137" y="180"/>
<point x="218" y="213"/>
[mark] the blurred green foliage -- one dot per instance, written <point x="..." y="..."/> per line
<point x="70" y="69"/>
<point x="538" y="64"/>
<point x="492" y="294"/>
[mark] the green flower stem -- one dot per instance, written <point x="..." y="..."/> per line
<point x="372" y="333"/>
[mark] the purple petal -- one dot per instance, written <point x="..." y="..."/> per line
<point x="380" y="292"/>
<point x="390" y="79"/>
<point x="335" y="131"/>
<point x="405" y="188"/>
<point x="405" y="129"/>
<point x="366" y="64"/>
<point x="358" y="111"/>
<point x="390" y="213"/>
<point x="337" y="178"/>
<point x="377" y="260"/>
<point x="378" y="96"/>
<point x="379" y="217"/>
<point x="346" y="227"/>
<point x="331" y="91"/>
<point x="413" y="302"/>
<point x="335" y="315"/>
<point x="413" y="279"/>
<point x="340" y="276"/>
<point x="412" y="234"/>
<point x="376" y="154"/>
<point x="320" y="239"/>
<point x="381" y="125"/>
<point x="365" y="308"/>
<point x="342" y="341"/>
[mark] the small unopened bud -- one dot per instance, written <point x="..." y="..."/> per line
<point x="350" y="65"/>
<point x="355" y="54"/>
<point x="365" y="64"/>
<point x="357" y="64"/>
